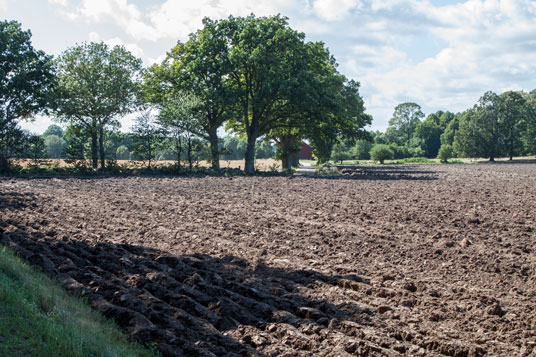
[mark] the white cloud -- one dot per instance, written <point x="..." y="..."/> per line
<point x="116" y="41"/>
<point x="442" y="57"/>
<point x="332" y="10"/>
<point x="58" y="2"/>
<point x="3" y="4"/>
<point x="174" y="19"/>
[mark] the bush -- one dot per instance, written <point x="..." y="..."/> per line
<point x="381" y="152"/>
<point x="445" y="153"/>
<point x="416" y="160"/>
<point x="361" y="149"/>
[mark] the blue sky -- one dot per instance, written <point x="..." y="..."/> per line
<point x="442" y="55"/>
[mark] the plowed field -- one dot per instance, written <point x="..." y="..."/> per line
<point x="421" y="260"/>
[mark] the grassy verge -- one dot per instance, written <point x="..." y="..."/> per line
<point x="38" y="318"/>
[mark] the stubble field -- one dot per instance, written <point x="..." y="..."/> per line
<point x="388" y="260"/>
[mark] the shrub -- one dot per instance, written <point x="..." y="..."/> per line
<point x="361" y="149"/>
<point x="445" y="153"/>
<point x="381" y="152"/>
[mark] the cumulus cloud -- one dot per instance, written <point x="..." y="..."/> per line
<point x="442" y="57"/>
<point x="170" y="19"/>
<point x="58" y="2"/>
<point x="116" y="41"/>
<point x="331" y="10"/>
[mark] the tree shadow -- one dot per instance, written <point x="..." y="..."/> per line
<point x="188" y="304"/>
<point x="381" y="172"/>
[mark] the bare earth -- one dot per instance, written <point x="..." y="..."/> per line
<point x="419" y="260"/>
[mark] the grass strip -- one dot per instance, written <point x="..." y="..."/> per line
<point x="38" y="318"/>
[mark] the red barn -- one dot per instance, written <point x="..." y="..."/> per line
<point x="306" y="152"/>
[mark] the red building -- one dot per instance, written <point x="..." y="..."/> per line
<point x="306" y="152"/>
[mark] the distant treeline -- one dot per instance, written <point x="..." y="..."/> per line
<point x="71" y="144"/>
<point x="501" y="125"/>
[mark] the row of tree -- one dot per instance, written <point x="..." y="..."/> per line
<point x="146" y="142"/>
<point x="257" y="77"/>
<point x="498" y="125"/>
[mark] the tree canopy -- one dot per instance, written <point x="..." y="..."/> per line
<point x="96" y="85"/>
<point x="26" y="80"/>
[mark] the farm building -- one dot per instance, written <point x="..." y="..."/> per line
<point x="306" y="152"/>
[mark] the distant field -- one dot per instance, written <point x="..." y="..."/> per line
<point x="261" y="164"/>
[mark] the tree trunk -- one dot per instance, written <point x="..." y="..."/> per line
<point x="289" y="157"/>
<point x="190" y="153"/>
<point x="94" y="154"/>
<point x="492" y="159"/>
<point x="250" y="151"/>
<point x="101" y="148"/>
<point x="294" y="158"/>
<point x="214" y="149"/>
<point x="178" y="144"/>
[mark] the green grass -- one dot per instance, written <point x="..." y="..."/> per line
<point x="38" y="318"/>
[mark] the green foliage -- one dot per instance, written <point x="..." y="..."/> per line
<point x="529" y="136"/>
<point x="416" y="160"/>
<point x="341" y="151"/>
<point x="405" y="119"/>
<point x="26" y="81"/>
<point x="381" y="152"/>
<point x="146" y="135"/>
<point x="447" y="137"/>
<point x="40" y="319"/>
<point x="122" y="153"/>
<point x="53" y="129"/>
<point x="361" y="149"/>
<point x="55" y="146"/>
<point x="402" y="152"/>
<point x="445" y="153"/>
<point x="201" y="67"/>
<point x="513" y="121"/>
<point x="181" y="119"/>
<point x="96" y="85"/>
<point x="479" y="133"/>
<point x="427" y="136"/>
<point x="264" y="150"/>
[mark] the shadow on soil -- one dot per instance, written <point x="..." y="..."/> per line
<point x="182" y="304"/>
<point x="381" y="172"/>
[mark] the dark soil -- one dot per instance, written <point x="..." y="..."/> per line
<point x="419" y="260"/>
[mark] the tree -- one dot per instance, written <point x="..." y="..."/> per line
<point x="381" y="152"/>
<point x="35" y="148"/>
<point x="512" y="116"/>
<point x="405" y="119"/>
<point x="447" y="137"/>
<point x="201" y="67"/>
<point x="361" y="149"/>
<point x="341" y="151"/>
<point x="529" y="136"/>
<point x="427" y="136"/>
<point x="146" y="137"/>
<point x="445" y="153"/>
<point x="122" y="153"/>
<point x="26" y="80"/>
<point x="54" y="146"/>
<point x="181" y="118"/>
<point x="268" y="66"/>
<point x="53" y="129"/>
<point x="96" y="85"/>
<point x="479" y="133"/>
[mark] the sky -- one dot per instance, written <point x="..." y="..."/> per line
<point x="440" y="54"/>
